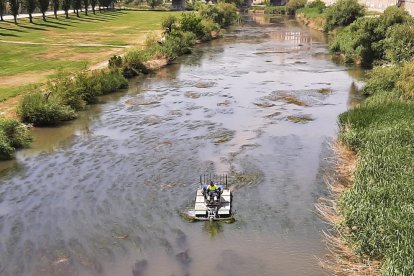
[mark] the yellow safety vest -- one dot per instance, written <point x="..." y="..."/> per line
<point x="212" y="188"/>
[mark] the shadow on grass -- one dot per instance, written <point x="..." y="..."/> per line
<point x="59" y="23"/>
<point x="48" y="25"/>
<point x="31" y="28"/>
<point x="110" y="13"/>
<point x="94" y="18"/>
<point x="13" y="35"/>
<point x="85" y="19"/>
<point x="13" y="30"/>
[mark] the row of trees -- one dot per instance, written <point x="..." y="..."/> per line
<point x="43" y="6"/>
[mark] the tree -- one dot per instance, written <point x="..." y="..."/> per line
<point x="93" y="5"/>
<point x="105" y="3"/>
<point x="154" y="3"/>
<point x="66" y="7"/>
<point x="343" y="13"/>
<point x="86" y="4"/>
<point x="2" y="9"/>
<point x="14" y="8"/>
<point x="55" y="7"/>
<point x="30" y="6"/>
<point x="76" y="6"/>
<point x="178" y="5"/>
<point x="43" y="6"/>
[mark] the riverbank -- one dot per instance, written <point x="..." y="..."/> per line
<point x="373" y="189"/>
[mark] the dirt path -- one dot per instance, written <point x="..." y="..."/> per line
<point x="8" y="107"/>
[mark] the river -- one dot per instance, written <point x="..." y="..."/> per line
<point x="102" y="195"/>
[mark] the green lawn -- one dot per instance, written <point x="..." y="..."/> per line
<point x="101" y="36"/>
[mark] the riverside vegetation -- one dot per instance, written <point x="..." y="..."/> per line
<point x="62" y="97"/>
<point x="376" y="212"/>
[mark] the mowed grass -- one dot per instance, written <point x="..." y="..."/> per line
<point x="67" y="44"/>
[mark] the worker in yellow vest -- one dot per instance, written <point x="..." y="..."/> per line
<point x="213" y="191"/>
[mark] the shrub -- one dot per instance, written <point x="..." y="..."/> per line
<point x="382" y="79"/>
<point x="39" y="110"/>
<point x="115" y="62"/>
<point x="177" y="43"/>
<point x="342" y="13"/>
<point x="228" y="14"/>
<point x="223" y="14"/>
<point x="62" y="90"/>
<point x="393" y="15"/>
<point x="87" y="87"/>
<point x="16" y="132"/>
<point x="405" y="84"/>
<point x="399" y="43"/>
<point x="13" y="135"/>
<point x="168" y="23"/>
<point x="134" y="62"/>
<point x="76" y="91"/>
<point x="191" y="22"/>
<point x="343" y="42"/>
<point x="370" y="40"/>
<point x="367" y="40"/>
<point x="209" y="27"/>
<point x="275" y="10"/>
<point x="6" y="150"/>
<point x="293" y="5"/>
<point x="110" y="81"/>
<point x="317" y="4"/>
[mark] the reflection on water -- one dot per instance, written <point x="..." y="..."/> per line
<point x="102" y="195"/>
<point x="213" y="228"/>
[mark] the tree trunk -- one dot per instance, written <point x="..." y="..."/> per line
<point x="30" y="18"/>
<point x="67" y="14"/>
<point x="93" y="10"/>
<point x="86" y="11"/>
<point x="55" y="14"/>
<point x="77" y="13"/>
<point x="44" y="16"/>
<point x="15" y="19"/>
<point x="1" y="17"/>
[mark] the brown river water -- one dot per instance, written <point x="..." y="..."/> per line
<point x="102" y="195"/>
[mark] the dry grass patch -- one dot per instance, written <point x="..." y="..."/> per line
<point x="342" y="259"/>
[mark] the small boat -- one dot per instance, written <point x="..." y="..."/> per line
<point x="212" y="207"/>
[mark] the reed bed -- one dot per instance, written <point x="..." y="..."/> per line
<point x="373" y="217"/>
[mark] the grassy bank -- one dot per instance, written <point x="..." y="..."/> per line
<point x="377" y="210"/>
<point x="71" y="44"/>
